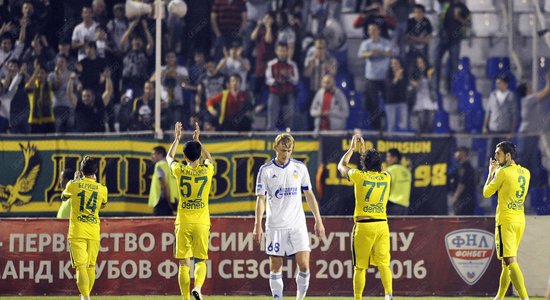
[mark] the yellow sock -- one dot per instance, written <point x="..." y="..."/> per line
<point x="184" y="279"/>
<point x="82" y="281"/>
<point x="504" y="282"/>
<point x="386" y="277"/>
<point x="359" y="281"/>
<point x="517" y="279"/>
<point x="91" y="277"/>
<point x="200" y="273"/>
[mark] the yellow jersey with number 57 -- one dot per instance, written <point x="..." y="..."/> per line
<point x="194" y="187"/>
<point x="371" y="190"/>
<point x="512" y="184"/>
<point x="86" y="198"/>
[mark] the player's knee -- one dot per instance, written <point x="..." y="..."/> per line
<point x="91" y="266"/>
<point x="303" y="266"/>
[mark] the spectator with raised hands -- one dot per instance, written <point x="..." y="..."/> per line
<point x="62" y="107"/>
<point x="7" y="49"/>
<point x="84" y="32"/>
<point x="135" y="70"/>
<point x="41" y="117"/>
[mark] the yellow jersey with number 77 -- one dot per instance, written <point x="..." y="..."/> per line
<point x="371" y="190"/>
<point x="512" y="184"/>
<point x="194" y="189"/>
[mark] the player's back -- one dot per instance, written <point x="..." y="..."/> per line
<point x="86" y="197"/>
<point x="194" y="189"/>
<point x="372" y="190"/>
<point x="513" y="181"/>
<point x="282" y="186"/>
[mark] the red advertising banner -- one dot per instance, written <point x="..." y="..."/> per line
<point x="430" y="256"/>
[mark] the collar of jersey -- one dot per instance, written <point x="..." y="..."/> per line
<point x="282" y="167"/>
<point x="88" y="179"/>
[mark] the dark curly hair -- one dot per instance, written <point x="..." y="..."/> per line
<point x="372" y="160"/>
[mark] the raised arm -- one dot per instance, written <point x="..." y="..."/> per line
<point x="108" y="87"/>
<point x="344" y="161"/>
<point x="204" y="151"/>
<point x="70" y="90"/>
<point x="170" y="156"/>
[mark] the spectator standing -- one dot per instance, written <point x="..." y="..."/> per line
<point x="264" y="35"/>
<point x="228" y="20"/>
<point x="377" y="52"/>
<point x="62" y="107"/>
<point x="212" y="82"/>
<point x="99" y="12"/>
<point x="465" y="184"/>
<point x="231" y="107"/>
<point x="64" y="48"/>
<point x="92" y="68"/>
<point x="105" y="48"/>
<point x="401" y="182"/>
<point x="19" y="108"/>
<point x="164" y="191"/>
<point x="234" y="63"/>
<point x="172" y="78"/>
<point x="7" y="49"/>
<point x="400" y="10"/>
<point x="39" y="52"/>
<point x="456" y="20"/>
<point x="117" y="26"/>
<point x="375" y="14"/>
<point x="135" y="70"/>
<point x="197" y="70"/>
<point x="143" y="112"/>
<point x="84" y="32"/>
<point x="9" y="87"/>
<point x="501" y="114"/>
<point x="256" y="10"/>
<point x="318" y="64"/>
<point x="89" y="110"/>
<point x="281" y="75"/>
<point x="329" y="107"/>
<point x="419" y="35"/>
<point x="423" y="96"/>
<point x="41" y="117"/>
<point x="396" y="96"/>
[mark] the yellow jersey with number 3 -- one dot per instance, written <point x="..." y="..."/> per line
<point x="194" y="188"/>
<point x="86" y="197"/>
<point x="371" y="190"/>
<point x="512" y="184"/>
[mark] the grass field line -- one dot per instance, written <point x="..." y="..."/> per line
<point x="206" y="297"/>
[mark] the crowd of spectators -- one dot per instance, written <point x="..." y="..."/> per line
<point x="83" y="66"/>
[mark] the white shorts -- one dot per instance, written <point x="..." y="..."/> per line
<point x="286" y="242"/>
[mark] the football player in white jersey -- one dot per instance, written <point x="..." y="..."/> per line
<point x="280" y="184"/>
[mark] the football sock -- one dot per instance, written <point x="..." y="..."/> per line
<point x="302" y="283"/>
<point x="82" y="281"/>
<point x="516" y="276"/>
<point x="504" y="282"/>
<point x="184" y="279"/>
<point x="200" y="274"/>
<point x="386" y="278"/>
<point x="91" y="277"/>
<point x="276" y="284"/>
<point x="359" y="281"/>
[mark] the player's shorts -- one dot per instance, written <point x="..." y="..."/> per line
<point x="83" y="252"/>
<point x="192" y="241"/>
<point x="370" y="242"/>
<point x="285" y="242"/>
<point x="507" y="238"/>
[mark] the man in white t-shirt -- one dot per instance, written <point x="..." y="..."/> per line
<point x="279" y="185"/>
<point x="84" y="32"/>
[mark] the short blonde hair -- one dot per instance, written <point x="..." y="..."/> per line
<point x="286" y="139"/>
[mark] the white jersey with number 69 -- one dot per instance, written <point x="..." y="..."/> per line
<point x="282" y="186"/>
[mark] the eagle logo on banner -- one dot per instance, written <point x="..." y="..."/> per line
<point x="20" y="193"/>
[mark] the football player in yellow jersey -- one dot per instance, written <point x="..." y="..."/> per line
<point x="512" y="183"/>
<point x="86" y="197"/>
<point x="192" y="226"/>
<point x="371" y="234"/>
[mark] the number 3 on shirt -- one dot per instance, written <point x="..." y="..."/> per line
<point x="521" y="181"/>
<point x="185" y="185"/>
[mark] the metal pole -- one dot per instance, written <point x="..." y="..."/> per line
<point x="158" y="44"/>
<point x="535" y="54"/>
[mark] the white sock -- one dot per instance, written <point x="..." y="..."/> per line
<point x="302" y="283"/>
<point x="276" y="284"/>
<point x="388" y="297"/>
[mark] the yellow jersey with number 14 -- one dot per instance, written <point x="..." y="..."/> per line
<point x="86" y="197"/>
<point x="512" y="184"/>
<point x="371" y="190"/>
<point x="194" y="188"/>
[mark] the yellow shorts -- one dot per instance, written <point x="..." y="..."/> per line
<point x="83" y="252"/>
<point x="192" y="241"/>
<point x="370" y="243"/>
<point x="507" y="238"/>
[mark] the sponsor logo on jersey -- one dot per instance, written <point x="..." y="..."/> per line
<point x="470" y="252"/>
<point x="289" y="191"/>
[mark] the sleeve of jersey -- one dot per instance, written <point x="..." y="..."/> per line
<point x="352" y="174"/>
<point x="175" y="169"/>
<point x="210" y="167"/>
<point x="306" y="181"/>
<point x="260" y="183"/>
<point x="67" y="192"/>
<point x="493" y="186"/>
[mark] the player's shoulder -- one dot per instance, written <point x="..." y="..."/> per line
<point x="298" y="162"/>
<point x="268" y="164"/>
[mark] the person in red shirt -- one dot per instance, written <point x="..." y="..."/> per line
<point x="231" y="107"/>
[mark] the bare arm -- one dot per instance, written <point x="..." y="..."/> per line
<point x="170" y="156"/>
<point x="150" y="44"/>
<point x="204" y="151"/>
<point x="254" y="33"/>
<point x="459" y="190"/>
<point x="123" y="45"/>
<point x="214" y="22"/>
<point x="546" y="90"/>
<point x="70" y="90"/>
<point x="258" y="216"/>
<point x="108" y="88"/>
<point x="344" y="161"/>
<point x="314" y="207"/>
